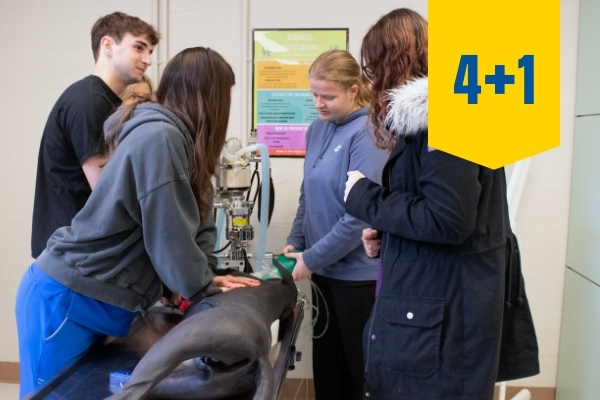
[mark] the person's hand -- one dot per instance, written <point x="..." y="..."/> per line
<point x="371" y="243"/>
<point x="353" y="177"/>
<point x="174" y="301"/>
<point x="300" y="271"/>
<point x="287" y="249"/>
<point x="228" y="282"/>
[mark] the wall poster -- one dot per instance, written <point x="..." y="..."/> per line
<point x="282" y="107"/>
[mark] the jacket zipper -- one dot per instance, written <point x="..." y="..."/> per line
<point x="369" y="339"/>
<point x="374" y="311"/>
<point x="376" y="299"/>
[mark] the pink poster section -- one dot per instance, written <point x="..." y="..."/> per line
<point x="284" y="140"/>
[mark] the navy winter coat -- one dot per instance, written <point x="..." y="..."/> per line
<point x="435" y="330"/>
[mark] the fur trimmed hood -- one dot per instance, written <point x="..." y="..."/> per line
<point x="408" y="108"/>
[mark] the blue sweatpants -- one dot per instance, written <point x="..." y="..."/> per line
<point x="49" y="338"/>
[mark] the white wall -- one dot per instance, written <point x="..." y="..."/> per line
<point x="45" y="47"/>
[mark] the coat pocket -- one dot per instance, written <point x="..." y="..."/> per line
<point x="411" y="330"/>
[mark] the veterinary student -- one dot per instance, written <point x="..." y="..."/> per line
<point x="330" y="240"/>
<point x="149" y="219"/>
<point x="138" y="92"/>
<point x="72" y="149"/>
<point x="435" y="330"/>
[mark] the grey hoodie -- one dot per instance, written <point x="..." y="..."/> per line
<point x="330" y="238"/>
<point x="141" y="224"/>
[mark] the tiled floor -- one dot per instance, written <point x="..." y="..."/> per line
<point x="9" y="391"/>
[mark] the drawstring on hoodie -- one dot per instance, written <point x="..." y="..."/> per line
<point x="326" y="143"/>
<point x="334" y="125"/>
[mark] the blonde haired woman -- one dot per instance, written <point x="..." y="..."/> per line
<point x="138" y="92"/>
<point x="330" y="240"/>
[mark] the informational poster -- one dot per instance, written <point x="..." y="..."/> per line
<point x="282" y="107"/>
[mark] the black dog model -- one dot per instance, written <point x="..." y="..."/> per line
<point x="227" y="339"/>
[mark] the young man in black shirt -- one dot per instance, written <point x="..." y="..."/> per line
<point x="72" y="151"/>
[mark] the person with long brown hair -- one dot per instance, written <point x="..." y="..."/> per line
<point x="328" y="239"/>
<point x="147" y="222"/>
<point x="436" y="327"/>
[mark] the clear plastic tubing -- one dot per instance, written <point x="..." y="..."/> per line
<point x="219" y="223"/>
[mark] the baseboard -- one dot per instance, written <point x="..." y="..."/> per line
<point x="9" y="372"/>
<point x="537" y="393"/>
<point x="297" y="389"/>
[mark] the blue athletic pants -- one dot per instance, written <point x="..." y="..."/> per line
<point x="48" y="340"/>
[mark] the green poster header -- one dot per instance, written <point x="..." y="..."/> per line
<point x="297" y="44"/>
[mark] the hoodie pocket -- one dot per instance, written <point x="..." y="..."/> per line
<point x="411" y="332"/>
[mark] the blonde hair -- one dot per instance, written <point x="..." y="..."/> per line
<point x="338" y="66"/>
<point x="130" y="89"/>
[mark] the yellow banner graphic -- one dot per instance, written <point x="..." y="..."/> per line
<point x="494" y="79"/>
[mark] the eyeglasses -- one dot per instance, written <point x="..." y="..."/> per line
<point x="140" y="99"/>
